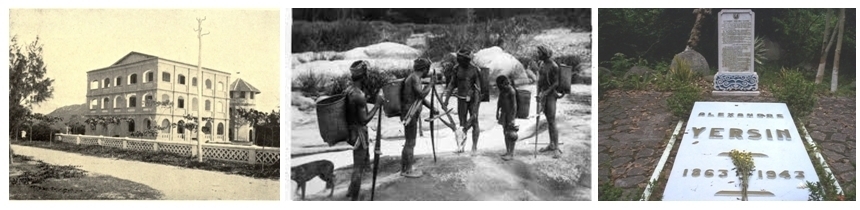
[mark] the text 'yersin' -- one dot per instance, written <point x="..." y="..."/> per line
<point x="738" y="134"/>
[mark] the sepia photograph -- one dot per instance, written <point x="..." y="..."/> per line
<point x="715" y="104"/>
<point x="440" y="104"/>
<point x="144" y="104"/>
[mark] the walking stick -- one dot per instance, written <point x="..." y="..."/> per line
<point x="537" y="123"/>
<point x="432" y="127"/>
<point x="376" y="153"/>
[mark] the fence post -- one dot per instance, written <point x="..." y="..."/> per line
<point x="155" y="146"/>
<point x="193" y="150"/>
<point x="125" y="143"/>
<point x="99" y="140"/>
<point x="78" y="140"/>
<point x="252" y="156"/>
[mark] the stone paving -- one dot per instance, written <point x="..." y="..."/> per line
<point x="833" y="127"/>
<point x="634" y="127"/>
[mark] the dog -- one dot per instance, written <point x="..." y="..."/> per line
<point x="305" y="172"/>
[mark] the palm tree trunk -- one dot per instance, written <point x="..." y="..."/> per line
<point x="834" y="77"/>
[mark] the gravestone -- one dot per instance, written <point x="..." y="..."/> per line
<point x="736" y="44"/>
<point x="703" y="169"/>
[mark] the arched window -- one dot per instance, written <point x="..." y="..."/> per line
<point x="106" y="83"/>
<point x="208" y="84"/>
<point x="165" y="124"/>
<point x="220" y="107"/>
<point x="94" y="85"/>
<point x="208" y="128"/>
<point x="194" y="81"/>
<point x="105" y="103"/>
<point x="130" y="125"/>
<point x="132" y="79"/>
<point x="193" y="104"/>
<point x="180" y="79"/>
<point x="180" y="127"/>
<point x="150" y="76"/>
<point x="148" y="123"/>
<point x="252" y="94"/>
<point x="242" y="94"/>
<point x="180" y="103"/>
<point x="132" y="101"/>
<point x="146" y="99"/>
<point x="165" y="76"/>
<point x="94" y="104"/>
<point x="220" y="128"/>
<point x="208" y="105"/>
<point x="117" y="102"/>
<point x="220" y="86"/>
<point x="118" y="81"/>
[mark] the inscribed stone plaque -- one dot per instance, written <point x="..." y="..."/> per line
<point x="703" y="169"/>
<point x="736" y="40"/>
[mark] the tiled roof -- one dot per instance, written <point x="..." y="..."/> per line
<point x="241" y="85"/>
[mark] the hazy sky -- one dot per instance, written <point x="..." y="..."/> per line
<point x="79" y="40"/>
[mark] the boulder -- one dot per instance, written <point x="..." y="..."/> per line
<point x="301" y="102"/>
<point x="696" y="61"/>
<point x="327" y="70"/>
<point x="381" y="50"/>
<point x="498" y="61"/>
<point x="638" y="71"/>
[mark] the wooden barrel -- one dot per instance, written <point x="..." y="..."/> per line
<point x="564" y="79"/>
<point x="523" y="101"/>
<point x="391" y="93"/>
<point x="331" y="116"/>
<point x="485" y="84"/>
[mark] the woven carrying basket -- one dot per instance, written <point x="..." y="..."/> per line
<point x="331" y="116"/>
<point x="523" y="100"/>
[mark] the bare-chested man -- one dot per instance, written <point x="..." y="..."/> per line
<point x="412" y="93"/>
<point x="466" y="80"/>
<point x="548" y="73"/>
<point x="357" y="118"/>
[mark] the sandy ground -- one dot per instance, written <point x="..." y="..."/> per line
<point x="174" y="182"/>
<point x="460" y="176"/>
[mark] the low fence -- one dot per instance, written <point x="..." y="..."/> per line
<point x="245" y="154"/>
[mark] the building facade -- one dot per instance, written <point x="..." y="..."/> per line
<point x="242" y="97"/>
<point x="143" y="93"/>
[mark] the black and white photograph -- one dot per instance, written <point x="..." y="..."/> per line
<point x="440" y="104"/>
<point x="144" y="104"/>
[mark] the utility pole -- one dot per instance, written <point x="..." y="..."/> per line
<point x="199" y="128"/>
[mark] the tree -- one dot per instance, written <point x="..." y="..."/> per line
<point x="28" y="84"/>
<point x="825" y="47"/>
<point x="696" y="32"/>
<point x="835" y="76"/>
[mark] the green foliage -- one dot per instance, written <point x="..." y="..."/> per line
<point x="28" y="83"/>
<point x="682" y="73"/>
<point x="682" y="100"/>
<point x="332" y="36"/>
<point x="45" y="172"/>
<point x="797" y="92"/>
<point x="606" y="191"/>
<point x="760" y="51"/>
<point x="825" y="188"/>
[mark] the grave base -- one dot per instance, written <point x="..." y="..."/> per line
<point x="735" y="93"/>
<point x="736" y="81"/>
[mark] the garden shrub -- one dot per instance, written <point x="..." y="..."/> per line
<point x="796" y="92"/>
<point x="682" y="100"/>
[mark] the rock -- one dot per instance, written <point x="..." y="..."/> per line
<point x="301" y="102"/>
<point x="709" y="78"/>
<point x="327" y="70"/>
<point x="638" y="71"/>
<point x="696" y="61"/>
<point x="498" y="61"/>
<point x="382" y="50"/>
